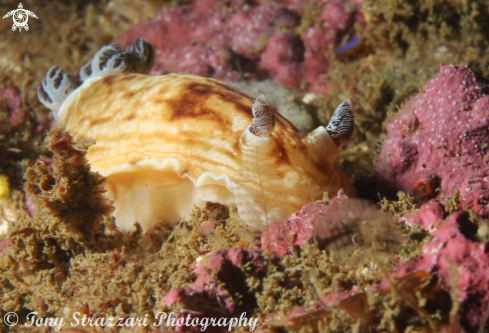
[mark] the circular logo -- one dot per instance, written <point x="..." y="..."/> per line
<point x="20" y="17"/>
<point x="10" y="319"/>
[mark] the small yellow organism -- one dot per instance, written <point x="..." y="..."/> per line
<point x="4" y="188"/>
<point x="169" y="142"/>
<point x="6" y="211"/>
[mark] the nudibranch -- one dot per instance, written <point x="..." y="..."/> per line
<point x="170" y="142"/>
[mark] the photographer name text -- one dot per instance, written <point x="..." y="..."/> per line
<point x="161" y="318"/>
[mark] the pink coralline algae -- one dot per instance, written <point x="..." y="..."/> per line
<point x="220" y="279"/>
<point x="250" y="39"/>
<point x="439" y="140"/>
<point x="13" y="101"/>
<point x="333" y="224"/>
<point x="5" y="244"/>
<point x="16" y="112"/>
<point x="454" y="255"/>
<point x="300" y="227"/>
<point x="427" y="216"/>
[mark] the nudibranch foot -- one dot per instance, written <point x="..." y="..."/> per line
<point x="171" y="142"/>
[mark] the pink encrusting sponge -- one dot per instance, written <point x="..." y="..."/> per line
<point x="438" y="142"/>
<point x="255" y="40"/>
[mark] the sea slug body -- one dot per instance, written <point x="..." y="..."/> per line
<point x="169" y="143"/>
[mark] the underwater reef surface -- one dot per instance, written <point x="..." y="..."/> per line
<point x="438" y="142"/>
<point x="258" y="40"/>
<point x="415" y="263"/>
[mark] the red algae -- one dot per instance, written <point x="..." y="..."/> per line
<point x="255" y="40"/>
<point x="337" y="224"/>
<point x="452" y="258"/>
<point x="438" y="142"/>
<point x="300" y="227"/>
<point x="220" y="288"/>
<point x="13" y="102"/>
<point x="460" y="262"/>
<point x="427" y="216"/>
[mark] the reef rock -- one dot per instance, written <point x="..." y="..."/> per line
<point x="249" y="39"/>
<point x="427" y="216"/>
<point x="220" y="289"/>
<point x="438" y="142"/>
<point x="462" y="264"/>
<point x="340" y="225"/>
<point x="282" y="235"/>
<point x="13" y="102"/>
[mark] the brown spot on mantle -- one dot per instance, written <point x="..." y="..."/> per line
<point x="192" y="103"/>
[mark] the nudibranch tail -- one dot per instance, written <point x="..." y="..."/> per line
<point x="341" y="126"/>
<point x="55" y="88"/>
<point x="263" y="118"/>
